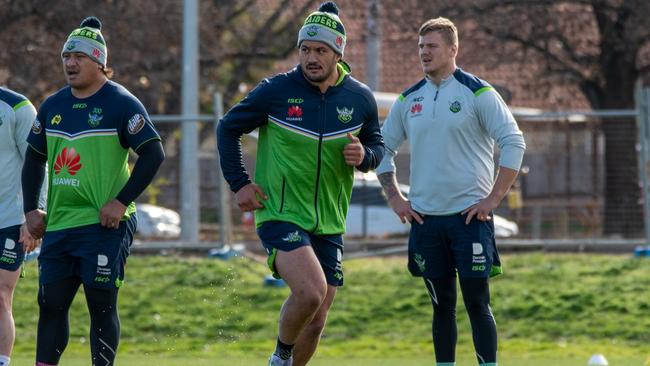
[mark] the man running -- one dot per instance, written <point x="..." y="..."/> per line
<point x="316" y="125"/>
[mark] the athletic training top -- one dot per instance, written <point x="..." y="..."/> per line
<point x="86" y="142"/>
<point x="451" y="130"/>
<point x="302" y="133"/>
<point x="16" y="117"/>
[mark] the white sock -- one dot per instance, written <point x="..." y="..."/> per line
<point x="4" y="360"/>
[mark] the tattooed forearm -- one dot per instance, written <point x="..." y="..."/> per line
<point x="389" y="183"/>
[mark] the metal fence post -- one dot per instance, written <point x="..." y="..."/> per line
<point x="643" y="121"/>
<point x="225" y="221"/>
<point x="189" y="178"/>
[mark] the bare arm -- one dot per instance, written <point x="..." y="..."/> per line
<point x="396" y="200"/>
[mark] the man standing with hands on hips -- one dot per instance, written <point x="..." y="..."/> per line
<point x="452" y="120"/>
<point x="316" y="125"/>
<point x="84" y="133"/>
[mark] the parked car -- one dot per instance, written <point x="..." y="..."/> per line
<point x="155" y="222"/>
<point x="380" y="219"/>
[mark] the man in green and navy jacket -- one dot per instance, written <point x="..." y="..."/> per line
<point x="316" y="124"/>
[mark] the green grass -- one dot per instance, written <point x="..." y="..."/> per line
<point x="550" y="309"/>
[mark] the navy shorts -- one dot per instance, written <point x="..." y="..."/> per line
<point x="285" y="236"/>
<point x="94" y="253"/>
<point x="444" y="245"/>
<point x="12" y="251"/>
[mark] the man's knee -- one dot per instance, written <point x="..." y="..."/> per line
<point x="56" y="297"/>
<point x="312" y="296"/>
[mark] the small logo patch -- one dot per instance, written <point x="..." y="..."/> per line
<point x="477" y="248"/>
<point x="416" y="108"/>
<point x="312" y="31"/>
<point x="136" y="123"/>
<point x="420" y="262"/>
<point x="56" y="120"/>
<point x="455" y="107"/>
<point x="37" y="127"/>
<point x="292" y="237"/>
<point x="294" y="111"/>
<point x="102" y="260"/>
<point x="345" y="114"/>
<point x="10" y="244"/>
<point x="95" y="118"/>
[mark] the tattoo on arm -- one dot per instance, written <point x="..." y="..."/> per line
<point x="389" y="183"/>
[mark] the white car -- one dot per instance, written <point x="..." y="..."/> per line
<point x="380" y="219"/>
<point x="155" y="222"/>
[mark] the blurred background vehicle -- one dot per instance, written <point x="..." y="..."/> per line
<point x="155" y="222"/>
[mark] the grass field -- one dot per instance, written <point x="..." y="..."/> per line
<point x="550" y="309"/>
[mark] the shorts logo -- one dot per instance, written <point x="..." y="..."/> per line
<point x="345" y="114"/>
<point x="102" y="260"/>
<point x="292" y="237"/>
<point x="136" y="123"/>
<point x="56" y="120"/>
<point x="477" y="248"/>
<point x="37" y="127"/>
<point x="10" y="244"/>
<point x="68" y="160"/>
<point x="420" y="262"/>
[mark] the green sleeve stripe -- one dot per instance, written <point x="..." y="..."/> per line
<point x="482" y="90"/>
<point x="21" y="104"/>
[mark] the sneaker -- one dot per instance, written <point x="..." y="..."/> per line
<point x="277" y="361"/>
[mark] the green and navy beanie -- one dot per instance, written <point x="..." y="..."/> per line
<point x="88" y="39"/>
<point x="324" y="26"/>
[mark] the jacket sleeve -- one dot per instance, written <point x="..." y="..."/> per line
<point x="246" y="116"/>
<point x="371" y="139"/>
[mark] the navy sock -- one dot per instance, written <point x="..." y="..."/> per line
<point x="283" y="350"/>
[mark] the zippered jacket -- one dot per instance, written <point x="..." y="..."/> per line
<point x="302" y="133"/>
